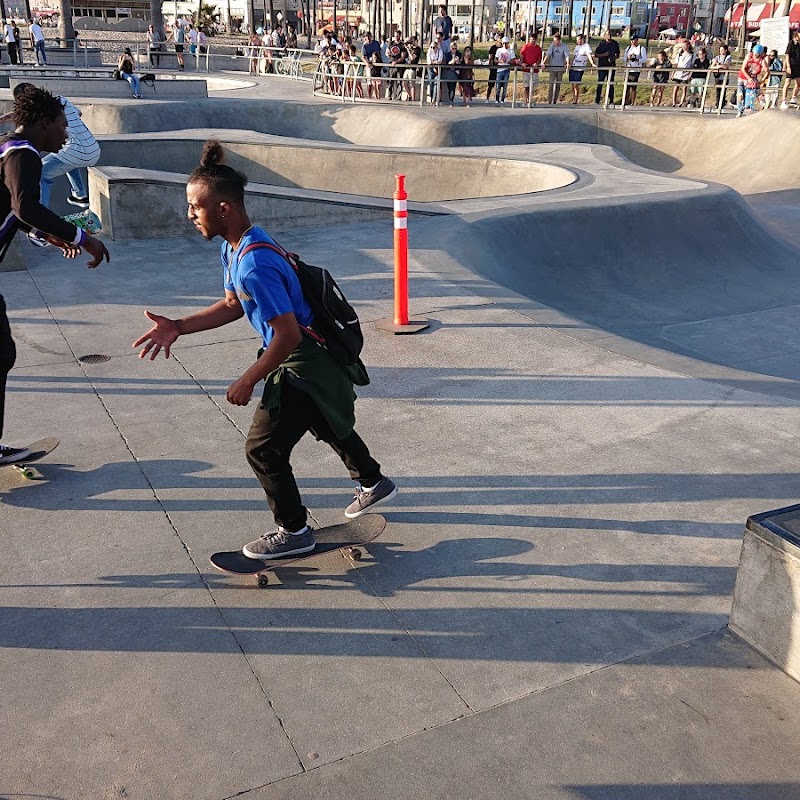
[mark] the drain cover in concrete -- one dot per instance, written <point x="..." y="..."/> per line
<point x="94" y="358"/>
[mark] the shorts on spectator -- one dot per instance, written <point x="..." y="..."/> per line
<point x="696" y="86"/>
<point x="633" y="77"/>
<point x="680" y="80"/>
<point x="530" y="79"/>
<point x="178" y="48"/>
<point x="575" y="75"/>
<point x="410" y="74"/>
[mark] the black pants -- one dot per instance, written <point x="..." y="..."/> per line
<point x="12" y="52"/>
<point x="490" y="85"/>
<point x="271" y="440"/>
<point x="8" y="355"/>
<point x="600" y="94"/>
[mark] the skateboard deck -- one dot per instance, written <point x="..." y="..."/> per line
<point x="38" y="450"/>
<point x="86" y="220"/>
<point x="346" y="536"/>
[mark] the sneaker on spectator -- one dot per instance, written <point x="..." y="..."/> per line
<point x="784" y="106"/>
<point x="366" y="499"/>
<point x="36" y="240"/>
<point x="8" y="454"/>
<point x="281" y="543"/>
<point x="81" y="202"/>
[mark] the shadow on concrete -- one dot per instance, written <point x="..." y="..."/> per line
<point x="688" y="791"/>
<point x="442" y="498"/>
<point x="555" y="635"/>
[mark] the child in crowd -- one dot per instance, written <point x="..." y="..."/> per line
<point x="466" y="77"/>
<point x="661" y="71"/>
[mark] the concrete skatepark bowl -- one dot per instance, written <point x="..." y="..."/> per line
<point x="607" y="390"/>
<point x="685" y="255"/>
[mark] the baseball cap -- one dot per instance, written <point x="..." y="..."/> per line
<point x="506" y="40"/>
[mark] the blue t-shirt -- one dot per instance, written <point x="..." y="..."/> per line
<point x="265" y="283"/>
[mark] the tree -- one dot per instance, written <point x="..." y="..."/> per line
<point x="66" y="33"/>
<point x="156" y="16"/>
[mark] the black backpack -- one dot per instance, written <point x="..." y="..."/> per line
<point x="336" y="326"/>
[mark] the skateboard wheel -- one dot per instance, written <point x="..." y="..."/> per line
<point x="262" y="581"/>
<point x="356" y="554"/>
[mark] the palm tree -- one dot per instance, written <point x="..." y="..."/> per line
<point x="66" y="33"/>
<point x="156" y="16"/>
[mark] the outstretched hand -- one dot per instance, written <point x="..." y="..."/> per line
<point x="96" y="249"/>
<point x="161" y="336"/>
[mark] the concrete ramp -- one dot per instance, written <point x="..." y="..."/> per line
<point x="696" y="275"/>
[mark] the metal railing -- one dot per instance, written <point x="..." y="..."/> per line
<point x="295" y="63"/>
<point x="704" y="91"/>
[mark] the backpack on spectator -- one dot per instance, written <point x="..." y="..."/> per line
<point x="336" y="327"/>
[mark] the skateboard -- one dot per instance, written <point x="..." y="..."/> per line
<point x="348" y="537"/>
<point x="38" y="450"/>
<point x="86" y="220"/>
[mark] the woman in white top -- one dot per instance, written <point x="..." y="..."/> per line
<point x="581" y="58"/>
<point x="682" y="75"/>
<point x="435" y="58"/>
<point x="721" y="64"/>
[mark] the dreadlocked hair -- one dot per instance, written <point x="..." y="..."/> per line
<point x="32" y="105"/>
<point x="222" y="180"/>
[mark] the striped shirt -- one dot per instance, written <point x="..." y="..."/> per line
<point x="81" y="149"/>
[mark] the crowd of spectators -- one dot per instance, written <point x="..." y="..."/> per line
<point x="398" y="68"/>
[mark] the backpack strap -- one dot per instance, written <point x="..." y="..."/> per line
<point x="291" y="261"/>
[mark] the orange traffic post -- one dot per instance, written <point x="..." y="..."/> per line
<point x="401" y="323"/>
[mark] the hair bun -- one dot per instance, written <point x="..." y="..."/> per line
<point x="212" y="154"/>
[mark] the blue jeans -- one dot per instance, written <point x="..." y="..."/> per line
<point x="433" y="84"/>
<point x="501" y="84"/>
<point x="740" y="95"/>
<point x="52" y="167"/>
<point x="133" y="80"/>
<point x="38" y="50"/>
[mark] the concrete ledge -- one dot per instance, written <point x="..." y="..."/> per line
<point x="766" y="600"/>
<point x="57" y="56"/>
<point x="143" y="204"/>
<point x="109" y="87"/>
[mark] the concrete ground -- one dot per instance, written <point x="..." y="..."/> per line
<point x="544" y="617"/>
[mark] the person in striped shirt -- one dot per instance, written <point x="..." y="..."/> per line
<point x="41" y="126"/>
<point x="80" y="151"/>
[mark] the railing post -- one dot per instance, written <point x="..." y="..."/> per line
<point x="514" y="90"/>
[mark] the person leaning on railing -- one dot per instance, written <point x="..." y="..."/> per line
<point x="682" y="75"/>
<point x="466" y="76"/>
<point x="700" y="67"/>
<point x="530" y="57"/>
<point x="635" y="59"/>
<point x="661" y="70"/>
<point x="412" y="72"/>
<point x="581" y="58"/>
<point x="721" y="64"/>
<point x="435" y="59"/>
<point x="556" y="61"/>
<point x="607" y="53"/>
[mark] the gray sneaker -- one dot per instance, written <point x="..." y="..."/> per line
<point x="9" y="455"/>
<point x="280" y="544"/>
<point x="366" y="499"/>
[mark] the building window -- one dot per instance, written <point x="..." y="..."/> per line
<point x="672" y="11"/>
<point x="617" y="11"/>
<point x="557" y="11"/>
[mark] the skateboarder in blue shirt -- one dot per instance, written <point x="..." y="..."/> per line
<point x="305" y="390"/>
